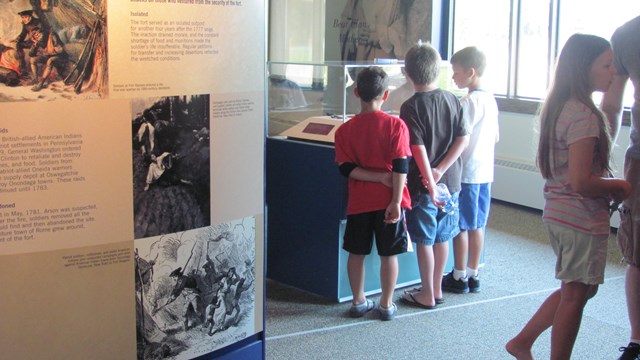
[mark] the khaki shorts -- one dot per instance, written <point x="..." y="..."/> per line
<point x="581" y="257"/>
<point x="629" y="231"/>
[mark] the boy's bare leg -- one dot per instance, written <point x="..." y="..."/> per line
<point x="355" y="270"/>
<point x="440" y="256"/>
<point x="476" y="241"/>
<point x="388" y="278"/>
<point x="520" y="346"/>
<point x="566" y="322"/>
<point x="460" y="250"/>
<point x="425" y="265"/>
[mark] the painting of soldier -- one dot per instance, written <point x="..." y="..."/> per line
<point x="57" y="49"/>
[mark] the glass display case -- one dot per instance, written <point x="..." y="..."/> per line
<point x="320" y="93"/>
<point x="315" y="96"/>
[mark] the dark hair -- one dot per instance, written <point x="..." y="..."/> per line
<point x="372" y="82"/>
<point x="571" y="80"/>
<point x="422" y="64"/>
<point x="470" y="57"/>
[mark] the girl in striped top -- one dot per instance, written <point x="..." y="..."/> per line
<point x="573" y="157"/>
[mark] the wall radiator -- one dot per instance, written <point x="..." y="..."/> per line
<point x="518" y="182"/>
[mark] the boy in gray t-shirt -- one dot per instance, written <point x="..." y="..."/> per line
<point x="438" y="135"/>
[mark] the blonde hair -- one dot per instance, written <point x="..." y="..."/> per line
<point x="571" y="80"/>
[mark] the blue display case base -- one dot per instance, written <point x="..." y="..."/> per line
<point x="306" y="203"/>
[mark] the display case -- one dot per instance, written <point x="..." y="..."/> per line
<point x="321" y="93"/>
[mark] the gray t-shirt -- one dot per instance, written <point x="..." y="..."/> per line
<point x="626" y="47"/>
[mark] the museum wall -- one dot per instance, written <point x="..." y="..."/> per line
<point x="131" y="177"/>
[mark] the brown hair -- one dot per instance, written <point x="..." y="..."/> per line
<point x="422" y="64"/>
<point x="470" y="57"/>
<point x="571" y="80"/>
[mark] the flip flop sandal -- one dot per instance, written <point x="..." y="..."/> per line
<point x="414" y="290"/>
<point x="413" y="302"/>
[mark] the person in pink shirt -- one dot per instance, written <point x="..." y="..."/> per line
<point x="573" y="157"/>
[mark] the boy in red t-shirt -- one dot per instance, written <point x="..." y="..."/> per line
<point x="372" y="151"/>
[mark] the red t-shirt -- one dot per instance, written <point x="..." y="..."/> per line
<point x="372" y="141"/>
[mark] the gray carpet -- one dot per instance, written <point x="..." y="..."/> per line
<point x="517" y="276"/>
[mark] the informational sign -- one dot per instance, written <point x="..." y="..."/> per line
<point x="360" y="30"/>
<point x="131" y="182"/>
<point x="316" y="128"/>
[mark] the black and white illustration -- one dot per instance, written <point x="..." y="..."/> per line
<point x="171" y="164"/>
<point x="195" y="290"/>
<point x="371" y="29"/>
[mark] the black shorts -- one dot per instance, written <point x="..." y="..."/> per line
<point x="391" y="239"/>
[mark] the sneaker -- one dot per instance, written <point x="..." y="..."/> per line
<point x="631" y="352"/>
<point x="455" y="286"/>
<point x="388" y="313"/>
<point x="474" y="284"/>
<point x="359" y="310"/>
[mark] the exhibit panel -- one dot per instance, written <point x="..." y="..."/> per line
<point x="131" y="179"/>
